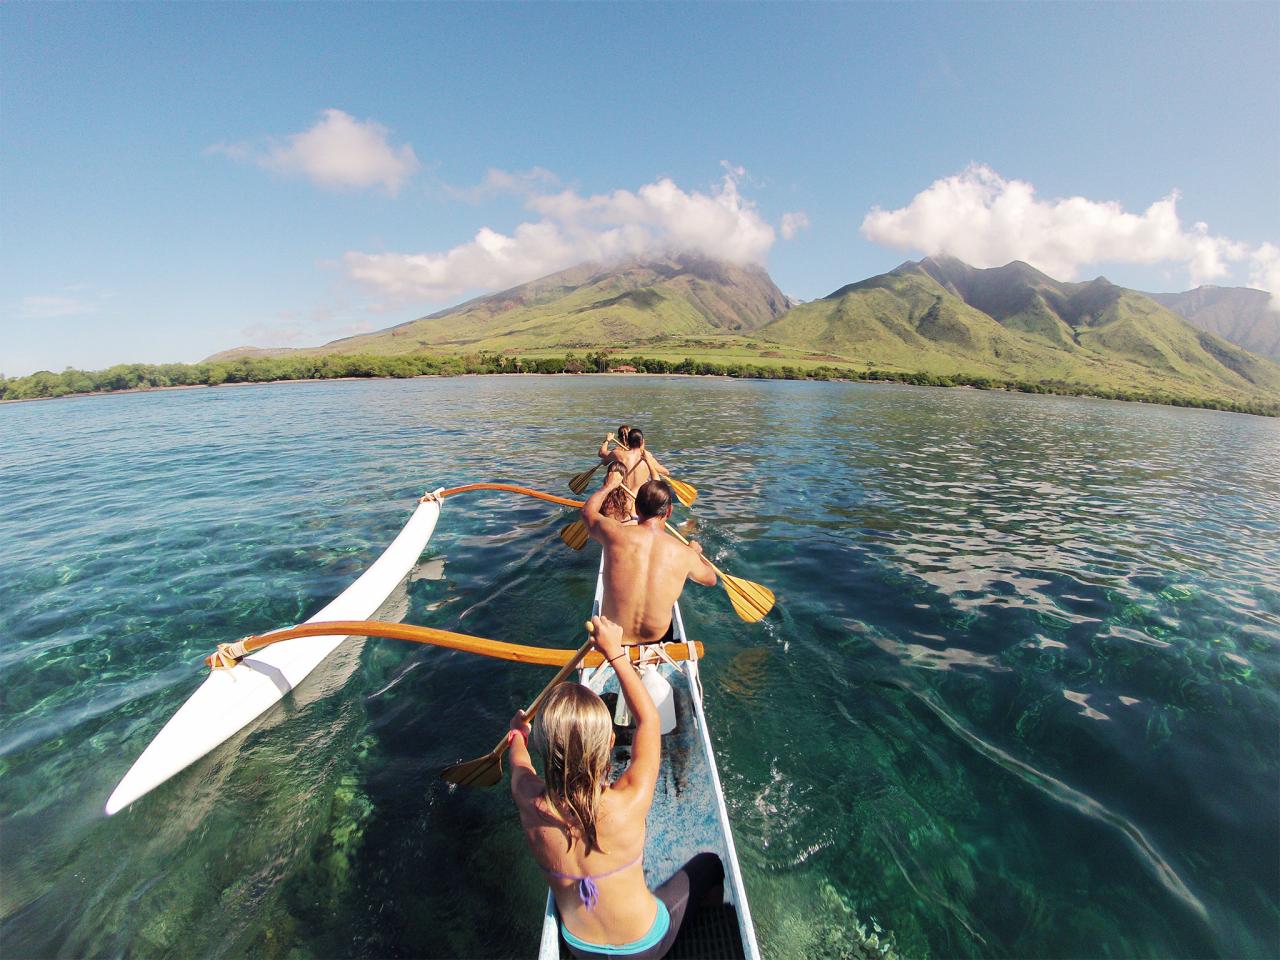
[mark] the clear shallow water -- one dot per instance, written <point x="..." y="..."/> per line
<point x="1019" y="697"/>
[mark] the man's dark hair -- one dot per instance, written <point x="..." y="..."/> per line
<point x="653" y="500"/>
<point x="635" y="439"/>
<point x="623" y="431"/>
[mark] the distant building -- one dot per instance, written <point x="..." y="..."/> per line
<point x="625" y="368"/>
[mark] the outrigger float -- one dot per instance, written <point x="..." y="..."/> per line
<point x="248" y="677"/>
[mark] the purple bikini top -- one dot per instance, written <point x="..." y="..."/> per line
<point x="588" y="892"/>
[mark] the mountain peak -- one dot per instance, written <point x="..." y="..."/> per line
<point x="644" y="299"/>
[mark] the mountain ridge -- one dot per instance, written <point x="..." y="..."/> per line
<point x="1240" y="315"/>
<point x="937" y="315"/>
<point x="945" y="316"/>
<point x="588" y="305"/>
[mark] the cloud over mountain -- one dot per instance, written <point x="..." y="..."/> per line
<point x="979" y="216"/>
<point x="793" y="223"/>
<point x="1264" y="272"/>
<point x="338" y="151"/>
<point x="573" y="228"/>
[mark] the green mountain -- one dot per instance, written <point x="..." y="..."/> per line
<point x="1241" y="315"/>
<point x="937" y="316"/>
<point x="637" y="303"/>
<point x="942" y="316"/>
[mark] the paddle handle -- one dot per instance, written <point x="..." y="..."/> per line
<point x="680" y="537"/>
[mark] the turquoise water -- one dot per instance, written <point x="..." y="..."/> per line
<point x="1018" y="698"/>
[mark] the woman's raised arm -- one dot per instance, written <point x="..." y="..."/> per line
<point x="646" y="746"/>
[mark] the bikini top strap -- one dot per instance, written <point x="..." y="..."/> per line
<point x="588" y="892"/>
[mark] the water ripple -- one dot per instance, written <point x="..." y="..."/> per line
<point x="1082" y="593"/>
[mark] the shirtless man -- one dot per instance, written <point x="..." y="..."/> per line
<point x="644" y="567"/>
<point x="640" y="465"/>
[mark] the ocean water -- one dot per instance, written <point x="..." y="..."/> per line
<point x="1018" y="697"/>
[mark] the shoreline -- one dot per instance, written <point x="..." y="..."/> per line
<point x="1004" y="388"/>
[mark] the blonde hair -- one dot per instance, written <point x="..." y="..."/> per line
<point x="572" y="732"/>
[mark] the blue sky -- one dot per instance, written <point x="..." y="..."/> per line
<point x="179" y="179"/>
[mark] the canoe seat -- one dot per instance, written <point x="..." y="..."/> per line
<point x="710" y="932"/>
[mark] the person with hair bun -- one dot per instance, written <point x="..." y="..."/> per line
<point x="587" y="834"/>
<point x="639" y="464"/>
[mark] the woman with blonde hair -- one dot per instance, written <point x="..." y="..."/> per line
<point x="588" y="834"/>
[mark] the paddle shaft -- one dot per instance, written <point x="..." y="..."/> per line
<point x="534" y="707"/>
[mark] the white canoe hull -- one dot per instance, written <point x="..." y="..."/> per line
<point x="230" y="699"/>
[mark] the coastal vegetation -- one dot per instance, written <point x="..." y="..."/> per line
<point x="211" y="373"/>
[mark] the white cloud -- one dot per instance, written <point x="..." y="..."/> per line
<point x="52" y="308"/>
<point x="521" y="183"/>
<point x="339" y="151"/>
<point x="292" y="327"/>
<point x="793" y="223"/>
<point x="1264" y="272"/>
<point x="986" y="220"/>
<point x="658" y="217"/>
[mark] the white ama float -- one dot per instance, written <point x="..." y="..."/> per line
<point x="231" y="698"/>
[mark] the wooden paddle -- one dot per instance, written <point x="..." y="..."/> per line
<point x="686" y="493"/>
<point x="575" y="535"/>
<point x="751" y="601"/>
<point x="229" y="654"/>
<point x="579" y="482"/>
<point x="487" y="770"/>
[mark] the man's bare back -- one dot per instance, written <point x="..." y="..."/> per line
<point x="634" y="462"/>
<point x="644" y="568"/>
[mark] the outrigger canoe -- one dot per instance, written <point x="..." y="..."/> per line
<point x="688" y="814"/>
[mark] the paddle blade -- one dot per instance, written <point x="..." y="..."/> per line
<point x="485" y="771"/>
<point x="686" y="493"/>
<point x="579" y="482"/>
<point x="575" y="535"/>
<point x="751" y="601"/>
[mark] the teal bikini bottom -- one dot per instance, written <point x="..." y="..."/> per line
<point x="661" y="924"/>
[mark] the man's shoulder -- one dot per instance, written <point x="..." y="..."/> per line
<point x="623" y="532"/>
<point x="674" y="547"/>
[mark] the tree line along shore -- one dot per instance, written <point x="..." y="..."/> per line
<point x="45" y="385"/>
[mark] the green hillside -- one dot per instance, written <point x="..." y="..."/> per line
<point x="944" y="317"/>
<point x="1240" y="315"/>
<point x="938" y="316"/>
<point x="657" y="301"/>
